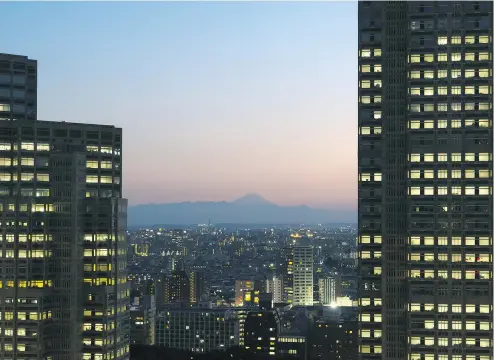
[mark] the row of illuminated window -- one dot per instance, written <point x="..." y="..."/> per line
<point x="453" y="241"/>
<point x="37" y="284"/>
<point x="97" y="313"/>
<point x="456" y="106"/>
<point x="423" y="356"/>
<point x="449" y="190"/>
<point x="19" y="347"/>
<point x="103" y="164"/>
<point x="454" y="123"/>
<point x="94" y="342"/>
<point x="370" y="130"/>
<point x="102" y="149"/>
<point x="453" y="73"/>
<point x="374" y="68"/>
<point x="24" y="161"/>
<point x="26" y="254"/>
<point x="97" y="237"/>
<point x="374" y="99"/>
<point x="468" y="325"/>
<point x="368" y="84"/>
<point x="370" y="177"/>
<point x="468" y="40"/>
<point x="364" y="333"/>
<point x="104" y="281"/>
<point x="450" y="90"/>
<point x="370" y="302"/>
<point x="370" y="254"/>
<point x="98" y="252"/>
<point x="27" y="237"/>
<point x="97" y="267"/>
<point x="98" y="327"/>
<point x="35" y="193"/>
<point x="431" y="157"/>
<point x="453" y="174"/>
<point x="444" y="341"/>
<point x="454" y="308"/>
<point x="450" y="274"/>
<point x="376" y="318"/>
<point x="12" y="332"/>
<point x="469" y="258"/>
<point x="370" y="239"/>
<point x="28" y="146"/>
<point x="370" y="349"/>
<point x="25" y="207"/>
<point x="95" y="179"/>
<point x="444" y="56"/>
<point x="370" y="52"/>
<point x="21" y="223"/>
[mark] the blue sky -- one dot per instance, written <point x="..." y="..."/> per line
<point x="215" y="99"/>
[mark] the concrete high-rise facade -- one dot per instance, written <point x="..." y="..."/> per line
<point x="425" y="180"/>
<point x="63" y="282"/>
<point x="18" y="87"/>
<point x="327" y="290"/>
<point x="303" y="275"/>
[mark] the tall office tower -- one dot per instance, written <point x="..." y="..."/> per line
<point x="303" y="276"/>
<point x="197" y="284"/>
<point x="177" y="288"/>
<point x="327" y="290"/>
<point x="287" y="271"/>
<point x="425" y="180"/>
<point x="18" y="85"/>
<point x="63" y="280"/>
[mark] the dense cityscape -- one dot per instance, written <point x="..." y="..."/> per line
<point x="412" y="280"/>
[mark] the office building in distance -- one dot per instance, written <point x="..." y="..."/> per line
<point x="303" y="275"/>
<point x="425" y="180"/>
<point x="63" y="279"/>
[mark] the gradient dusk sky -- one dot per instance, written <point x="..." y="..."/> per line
<point x="215" y="99"/>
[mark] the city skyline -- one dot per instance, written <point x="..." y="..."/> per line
<point x="279" y="117"/>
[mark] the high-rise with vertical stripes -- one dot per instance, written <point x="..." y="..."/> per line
<point x="63" y="274"/>
<point x="425" y="180"/>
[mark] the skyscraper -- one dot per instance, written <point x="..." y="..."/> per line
<point x="327" y="290"/>
<point x="63" y="282"/>
<point x="303" y="275"/>
<point x="425" y="180"/>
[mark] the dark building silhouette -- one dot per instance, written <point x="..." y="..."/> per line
<point x="261" y="331"/>
<point x="334" y="340"/>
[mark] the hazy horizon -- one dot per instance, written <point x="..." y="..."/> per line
<point x="216" y="100"/>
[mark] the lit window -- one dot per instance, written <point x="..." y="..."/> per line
<point x="442" y="57"/>
<point x="442" y="90"/>
<point x="441" y="74"/>
<point x="365" y="53"/>
<point x="456" y="73"/>
<point x="456" y="90"/>
<point x="469" y="40"/>
<point x="469" y="56"/>
<point x="442" y="40"/>
<point x="442" y="124"/>
<point x="456" y="57"/>
<point x="456" y="40"/>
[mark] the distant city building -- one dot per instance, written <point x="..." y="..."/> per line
<point x="177" y="288"/>
<point x="287" y="274"/>
<point x="293" y="346"/>
<point x="303" y="276"/>
<point x="198" y="330"/>
<point x="327" y="290"/>
<point x="197" y="283"/>
<point x="261" y="331"/>
<point x="276" y="288"/>
<point x="243" y="291"/>
<point x="143" y="321"/>
<point x="334" y="340"/>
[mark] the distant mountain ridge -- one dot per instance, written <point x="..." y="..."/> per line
<point x="249" y="209"/>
